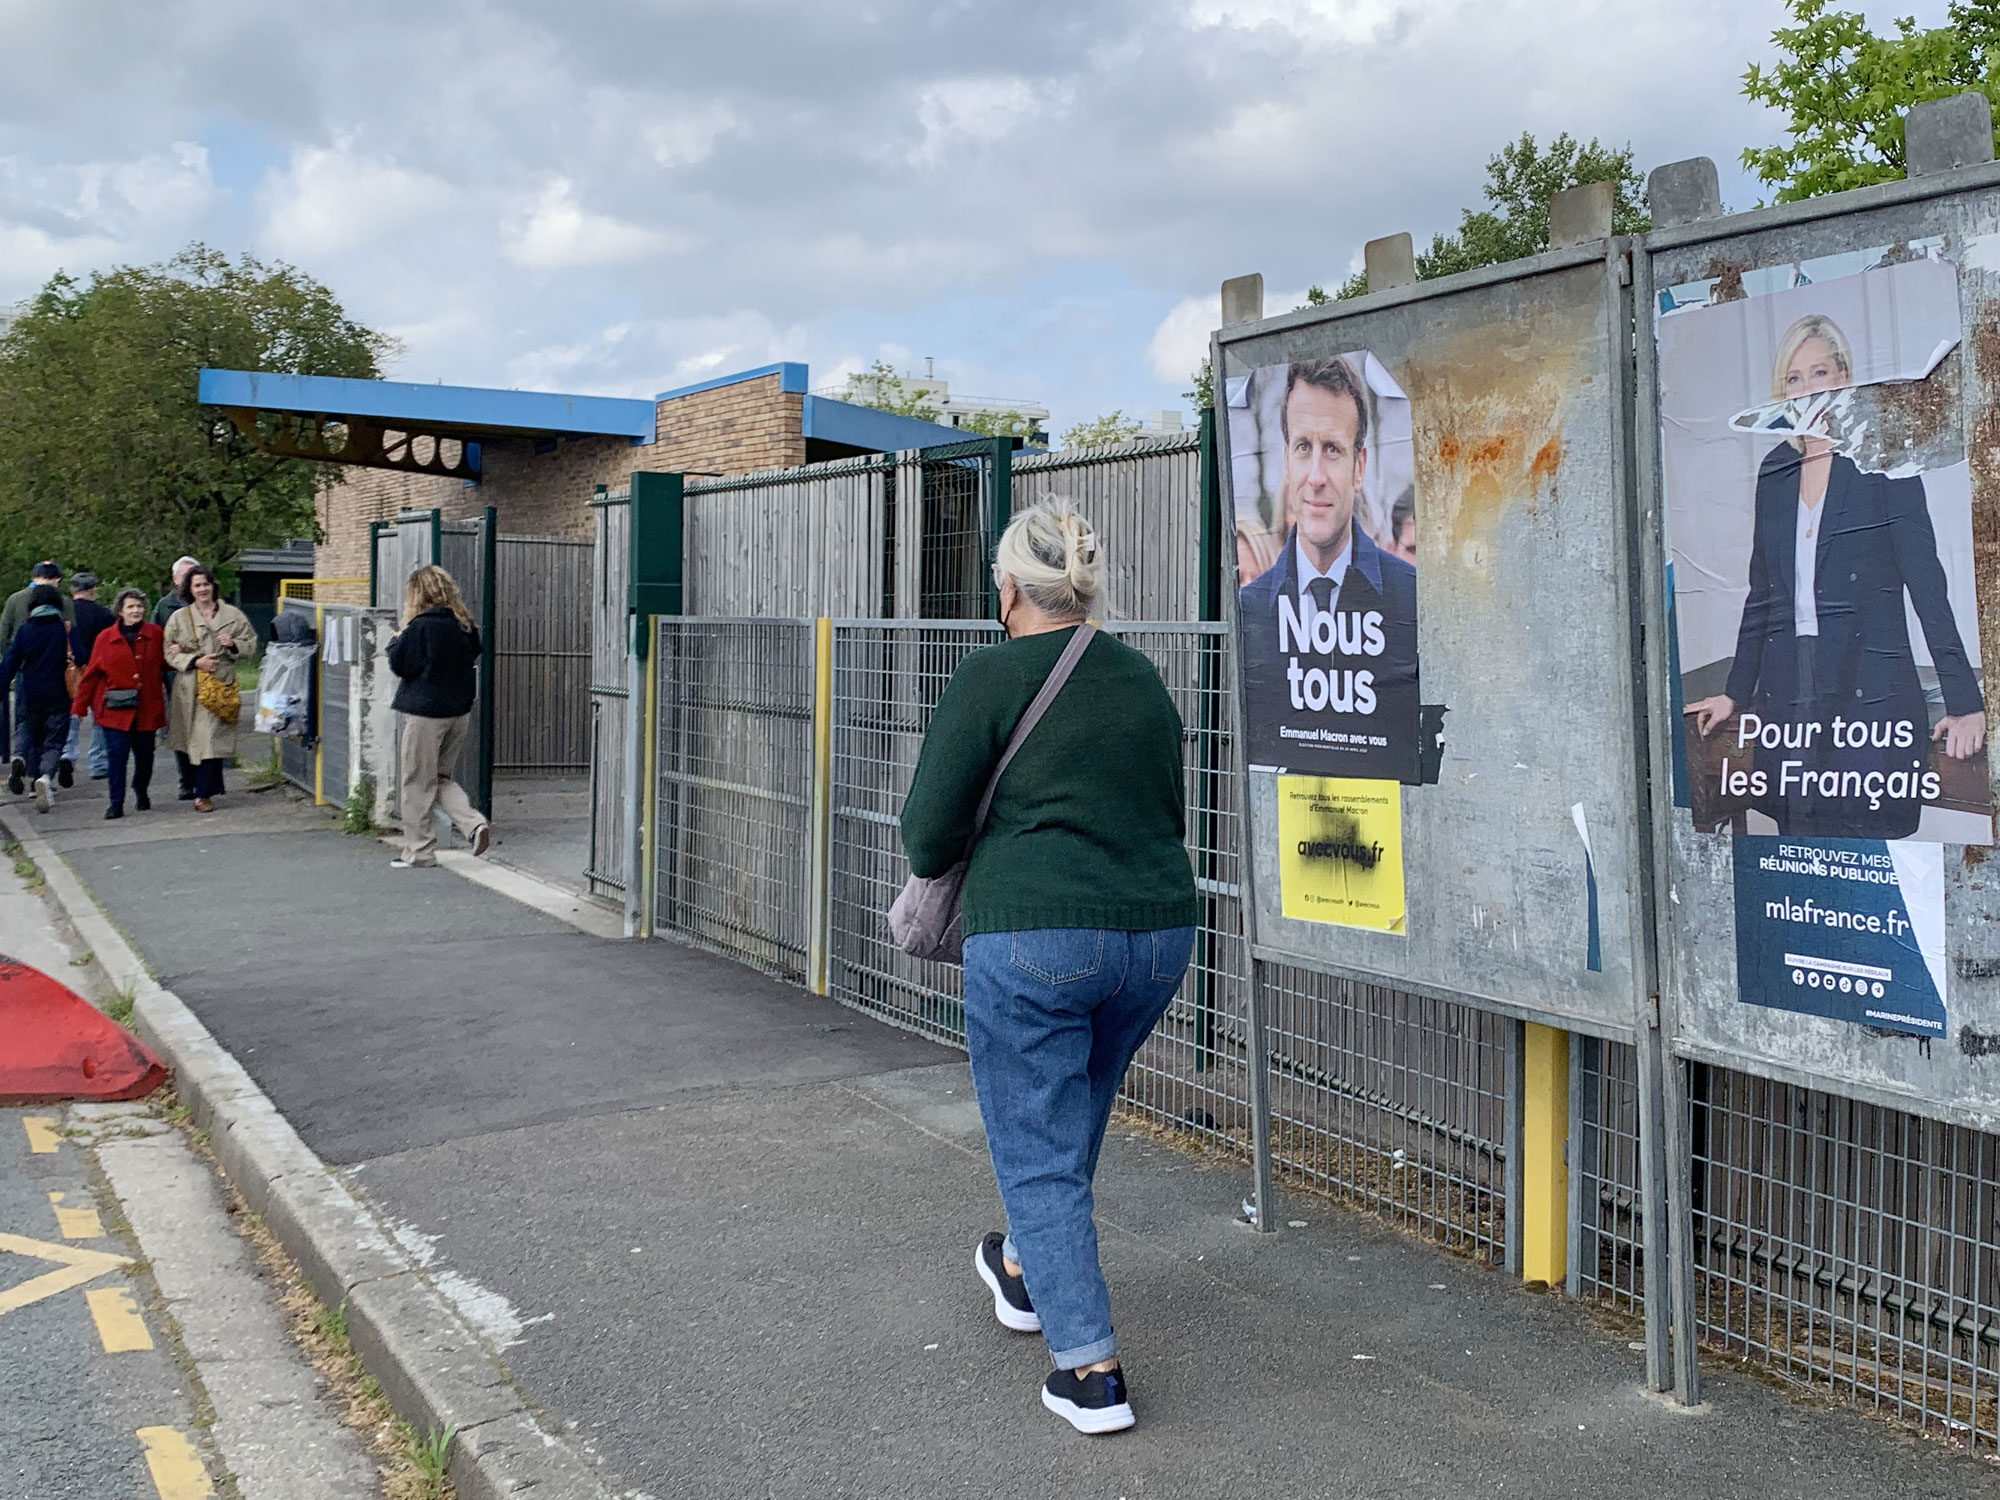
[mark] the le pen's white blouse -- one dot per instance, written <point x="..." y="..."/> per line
<point x="1805" y="605"/>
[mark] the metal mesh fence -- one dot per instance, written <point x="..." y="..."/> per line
<point x="1850" y="1247"/>
<point x="1394" y="1102"/>
<point x="957" y="512"/>
<point x="733" y="843"/>
<point x="1609" y="1261"/>
<point x="886" y="681"/>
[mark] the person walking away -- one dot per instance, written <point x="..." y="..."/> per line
<point x="12" y="615"/>
<point x="123" y="691"/>
<point x="1078" y="910"/>
<point x="89" y="619"/>
<point x="177" y="598"/>
<point x="204" y="642"/>
<point x="436" y="655"/>
<point x="38" y="660"/>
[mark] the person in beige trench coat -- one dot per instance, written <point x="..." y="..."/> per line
<point x="209" y="635"/>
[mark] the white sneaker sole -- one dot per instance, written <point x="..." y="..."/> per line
<point x="1008" y="1315"/>
<point x="1091" y="1419"/>
<point x="482" y="840"/>
<point x="44" y="794"/>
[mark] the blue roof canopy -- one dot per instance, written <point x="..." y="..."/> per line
<point x="834" y="421"/>
<point x="457" y="410"/>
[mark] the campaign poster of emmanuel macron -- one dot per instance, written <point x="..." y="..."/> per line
<point x="1322" y="482"/>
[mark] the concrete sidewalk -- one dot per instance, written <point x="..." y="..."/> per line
<point x="720" y="1231"/>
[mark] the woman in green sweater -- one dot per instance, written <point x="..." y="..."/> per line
<point x="1078" y="911"/>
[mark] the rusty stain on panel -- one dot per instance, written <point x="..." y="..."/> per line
<point x="1486" y="411"/>
<point x="1728" y="278"/>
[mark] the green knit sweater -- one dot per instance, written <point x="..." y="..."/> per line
<point x="1088" y="822"/>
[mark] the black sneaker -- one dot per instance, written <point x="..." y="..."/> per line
<point x="112" y="812"/>
<point x="1010" y="1293"/>
<point x="187" y="794"/>
<point x="143" y="802"/>
<point x="17" y="776"/>
<point x="65" y="772"/>
<point x="1090" y="1403"/>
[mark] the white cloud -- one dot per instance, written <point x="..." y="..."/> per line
<point x="555" y="234"/>
<point x="687" y="139"/>
<point x="87" y="216"/>
<point x="1180" y="341"/>
<point x="330" y="200"/>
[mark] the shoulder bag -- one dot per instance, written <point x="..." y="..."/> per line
<point x="925" y="919"/>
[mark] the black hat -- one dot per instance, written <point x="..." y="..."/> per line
<point x="46" y="570"/>
<point x="82" y="583"/>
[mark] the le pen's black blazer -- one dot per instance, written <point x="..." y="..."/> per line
<point x="1376" y="580"/>
<point x="1875" y="541"/>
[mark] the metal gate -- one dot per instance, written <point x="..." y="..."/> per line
<point x="610" y="693"/>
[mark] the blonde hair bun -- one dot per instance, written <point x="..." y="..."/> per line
<point x="1055" y="559"/>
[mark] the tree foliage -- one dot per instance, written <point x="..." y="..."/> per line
<point x="107" y="461"/>
<point x="1112" y="427"/>
<point x="1002" y="424"/>
<point x="1844" y="91"/>
<point x="884" y="390"/>
<point x="1520" y="181"/>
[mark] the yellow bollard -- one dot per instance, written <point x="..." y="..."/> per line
<point x="1544" y="1174"/>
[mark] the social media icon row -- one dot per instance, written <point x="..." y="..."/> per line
<point x="1844" y="984"/>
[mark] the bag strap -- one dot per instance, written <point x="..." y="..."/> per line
<point x="1058" y="675"/>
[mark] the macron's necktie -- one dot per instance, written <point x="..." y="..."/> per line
<point x="1322" y="591"/>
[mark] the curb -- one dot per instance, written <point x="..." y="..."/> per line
<point x="431" y="1365"/>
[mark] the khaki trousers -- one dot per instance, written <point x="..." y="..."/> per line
<point x="429" y="749"/>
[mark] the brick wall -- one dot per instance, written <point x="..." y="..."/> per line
<point x="729" y="429"/>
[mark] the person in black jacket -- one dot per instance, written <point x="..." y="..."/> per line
<point x="37" y="659"/>
<point x="91" y="619"/>
<point x="436" y="655"/>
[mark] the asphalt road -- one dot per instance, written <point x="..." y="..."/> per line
<point x="722" y="1231"/>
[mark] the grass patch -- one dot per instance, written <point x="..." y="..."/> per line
<point x="26" y="868"/>
<point x="118" y="1005"/>
<point x="430" y="1456"/>
<point x="358" y="815"/>
<point x="269" y="771"/>
<point x="82" y="959"/>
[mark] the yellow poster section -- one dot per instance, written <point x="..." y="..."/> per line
<point x="1340" y="851"/>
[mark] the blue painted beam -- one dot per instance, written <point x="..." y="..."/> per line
<point x="864" y="427"/>
<point x="459" y="409"/>
<point x="791" y="380"/>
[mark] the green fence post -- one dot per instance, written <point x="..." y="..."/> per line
<point x="1002" y="481"/>
<point x="374" y="547"/>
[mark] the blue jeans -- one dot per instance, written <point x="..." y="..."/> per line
<point x="1052" y="1018"/>
<point x="118" y="743"/>
<point x="100" y="760"/>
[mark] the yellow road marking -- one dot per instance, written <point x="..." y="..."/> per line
<point x="177" y="1469"/>
<point x="78" y="1266"/>
<point x="42" y="1137"/>
<point x="76" y="1223"/>
<point x="117" y="1317"/>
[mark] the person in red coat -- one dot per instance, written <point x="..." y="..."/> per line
<point x="121" y="690"/>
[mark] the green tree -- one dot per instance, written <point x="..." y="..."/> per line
<point x="1003" y="424"/>
<point x="1112" y="427"/>
<point x="106" y="458"/>
<point x="1844" y="91"/>
<point x="1520" y="180"/>
<point x="885" y="390"/>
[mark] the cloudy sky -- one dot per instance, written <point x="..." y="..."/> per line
<point x="625" y="195"/>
